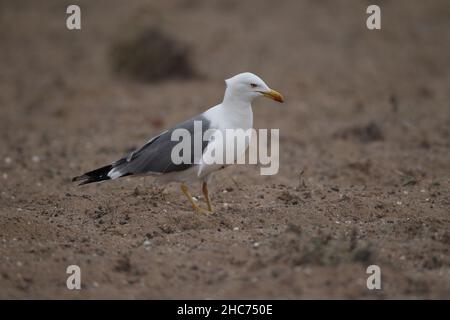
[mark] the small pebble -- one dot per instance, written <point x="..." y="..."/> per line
<point x="147" y="243"/>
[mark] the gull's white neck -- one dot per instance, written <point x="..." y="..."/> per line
<point x="232" y="113"/>
<point x="237" y="111"/>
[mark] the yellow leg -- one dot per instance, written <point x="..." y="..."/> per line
<point x="188" y="195"/>
<point x="206" y="194"/>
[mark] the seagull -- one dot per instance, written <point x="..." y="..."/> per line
<point x="154" y="158"/>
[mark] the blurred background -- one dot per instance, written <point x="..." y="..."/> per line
<point x="364" y="149"/>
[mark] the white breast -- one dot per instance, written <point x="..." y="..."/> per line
<point x="223" y="117"/>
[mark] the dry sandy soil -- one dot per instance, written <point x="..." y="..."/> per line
<point x="364" y="153"/>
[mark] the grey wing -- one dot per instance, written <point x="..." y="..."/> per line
<point x="155" y="156"/>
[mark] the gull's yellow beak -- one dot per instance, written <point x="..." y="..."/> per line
<point x="275" y="95"/>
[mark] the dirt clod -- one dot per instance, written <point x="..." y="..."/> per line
<point x="365" y="134"/>
<point x="152" y="55"/>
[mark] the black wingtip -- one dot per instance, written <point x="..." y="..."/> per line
<point x="96" y="175"/>
<point x="84" y="177"/>
<point x="87" y="182"/>
<point x="78" y="178"/>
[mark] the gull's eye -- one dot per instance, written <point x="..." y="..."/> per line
<point x="253" y="85"/>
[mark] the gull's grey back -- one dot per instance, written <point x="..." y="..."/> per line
<point x="155" y="155"/>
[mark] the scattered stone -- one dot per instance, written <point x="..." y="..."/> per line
<point x="289" y="198"/>
<point x="146" y="243"/>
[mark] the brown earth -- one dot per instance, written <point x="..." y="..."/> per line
<point x="364" y="146"/>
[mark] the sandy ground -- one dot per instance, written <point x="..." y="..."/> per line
<point x="364" y="153"/>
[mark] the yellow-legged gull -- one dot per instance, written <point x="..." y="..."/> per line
<point x="156" y="156"/>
